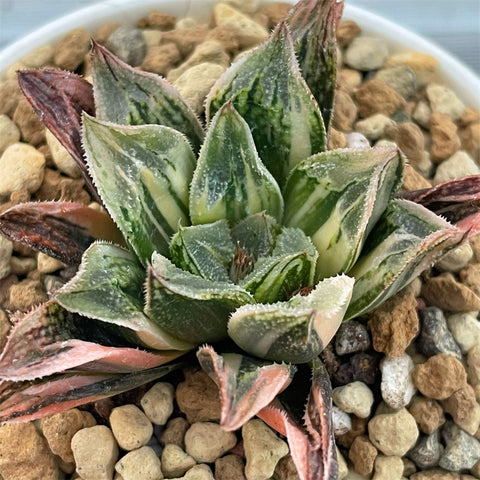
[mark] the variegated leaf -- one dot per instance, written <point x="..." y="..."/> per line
<point x="189" y="307"/>
<point x="295" y="331"/>
<point x="407" y="240"/>
<point x="27" y="401"/>
<point x="337" y="196"/>
<point x="51" y="340"/>
<point x="142" y="174"/>
<point x="290" y="268"/>
<point x="59" y="98"/>
<point x="230" y="181"/>
<point x="109" y="287"/>
<point x="268" y="91"/>
<point x="204" y="250"/>
<point x="128" y="96"/>
<point x="314" y="453"/>
<point x="246" y="385"/>
<point x="312" y="24"/>
<point x="63" y="230"/>
<point x="256" y="234"/>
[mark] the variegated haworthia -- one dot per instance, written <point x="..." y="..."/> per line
<point x="265" y="241"/>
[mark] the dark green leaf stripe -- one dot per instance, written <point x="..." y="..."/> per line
<point x="142" y="174"/>
<point x="230" y="181"/>
<point x="128" y="96"/>
<point x="189" y="307"/>
<point x="268" y="91"/>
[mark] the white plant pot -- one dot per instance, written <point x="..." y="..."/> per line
<point x="454" y="74"/>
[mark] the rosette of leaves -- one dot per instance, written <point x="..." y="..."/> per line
<point x="243" y="236"/>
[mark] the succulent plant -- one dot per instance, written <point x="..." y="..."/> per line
<point x="246" y="238"/>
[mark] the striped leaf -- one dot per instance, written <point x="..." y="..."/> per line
<point x="129" y="96"/>
<point x="109" y="287"/>
<point x="295" y="331"/>
<point x="142" y="174"/>
<point x="256" y="234"/>
<point x="337" y="196"/>
<point x="246" y="385"/>
<point x="407" y="240"/>
<point x="312" y="24"/>
<point x="268" y="91"/>
<point x="50" y="340"/>
<point x="189" y="307"/>
<point x="204" y="250"/>
<point x="290" y="268"/>
<point x="230" y="181"/>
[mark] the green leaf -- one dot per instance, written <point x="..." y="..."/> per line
<point x="109" y="287"/>
<point x="407" y="240"/>
<point x="189" y="307"/>
<point x="295" y="331"/>
<point x="256" y="234"/>
<point x="128" y="96"/>
<point x="268" y="91"/>
<point x="204" y="250"/>
<point x="290" y="268"/>
<point x="312" y="24"/>
<point x="246" y="385"/>
<point x="336" y="197"/>
<point x="230" y="181"/>
<point x="142" y="174"/>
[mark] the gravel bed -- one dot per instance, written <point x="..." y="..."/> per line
<point x="406" y="377"/>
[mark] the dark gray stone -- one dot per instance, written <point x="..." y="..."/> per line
<point x="128" y="44"/>
<point x="352" y="337"/>
<point x="435" y="337"/>
<point x="426" y="453"/>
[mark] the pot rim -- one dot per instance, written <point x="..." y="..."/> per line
<point x="457" y="76"/>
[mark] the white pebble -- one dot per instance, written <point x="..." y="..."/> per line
<point x="9" y="132"/>
<point x="397" y="385"/>
<point x="354" y="398"/>
<point x="22" y="167"/>
<point x="157" y="403"/>
<point x="95" y="452"/>
<point x="357" y="140"/>
<point x="140" y="464"/>
<point x="207" y="441"/>
<point x="131" y="427"/>
<point x="263" y="449"/>
<point x="459" y="165"/>
<point x="342" y="423"/>
<point x="465" y="328"/>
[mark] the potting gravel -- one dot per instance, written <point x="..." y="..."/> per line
<point x="406" y="377"/>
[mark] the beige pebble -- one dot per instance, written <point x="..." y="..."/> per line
<point x="422" y="114"/>
<point x="207" y="441"/>
<point x="22" y="167"/>
<point x="46" y="264"/>
<point x="388" y="468"/>
<point x="25" y="454"/>
<point x="195" y="83"/>
<point x="393" y="433"/>
<point x="175" y="461"/>
<point x="21" y="265"/>
<point x="263" y="449"/>
<point x="130" y="426"/>
<point x="199" y="472"/>
<point x="425" y="66"/>
<point x="445" y="140"/>
<point x="209" y="51"/>
<point x="175" y="431"/>
<point x="465" y="328"/>
<point x="444" y="100"/>
<point x="473" y="365"/>
<point x="157" y="403"/>
<point x="71" y="50"/>
<point x="6" y="249"/>
<point x="248" y="32"/>
<point x="26" y="294"/>
<point x="39" y="56"/>
<point x="140" y="464"/>
<point x="9" y="133"/>
<point x="374" y="127"/>
<point x="96" y="452"/>
<point x="375" y="96"/>
<point x="456" y="259"/>
<point x="61" y="158"/>
<point x="344" y="113"/>
<point x="230" y="467"/>
<point x="342" y="465"/>
<point x="354" y="397"/>
<point x="362" y="454"/>
<point x="464" y="409"/>
<point x="459" y="165"/>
